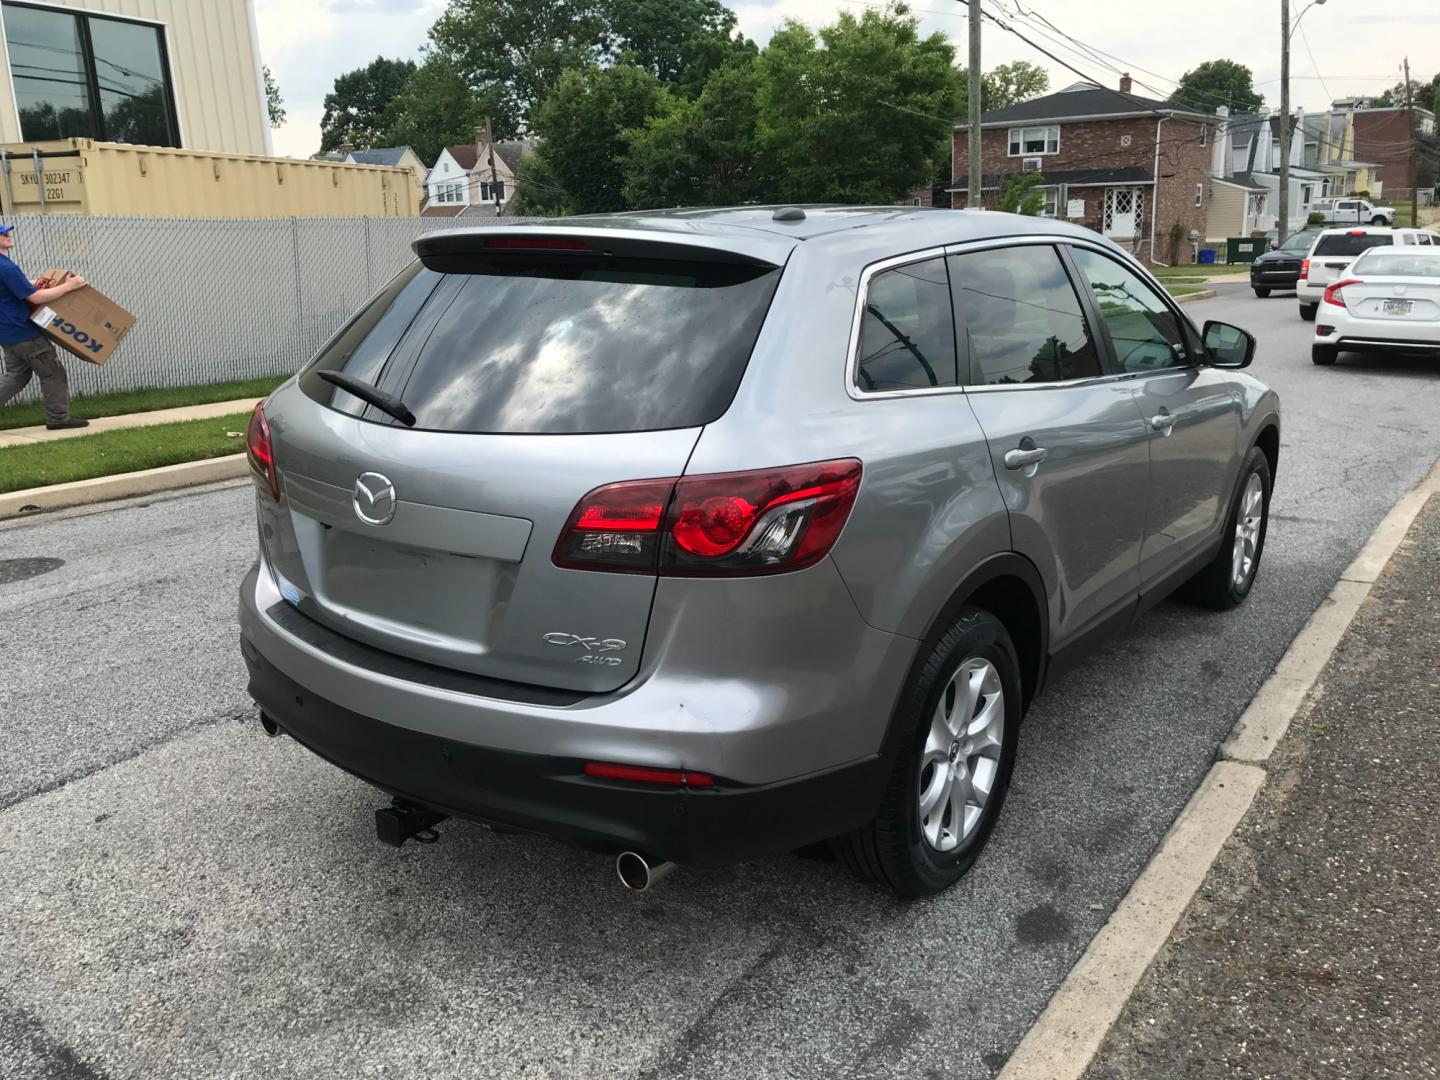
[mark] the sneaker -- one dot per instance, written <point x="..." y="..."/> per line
<point x="68" y="423"/>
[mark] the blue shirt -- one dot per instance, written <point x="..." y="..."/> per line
<point x="15" y="288"/>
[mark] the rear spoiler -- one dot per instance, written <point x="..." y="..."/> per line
<point x="749" y="248"/>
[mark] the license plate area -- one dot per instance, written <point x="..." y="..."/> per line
<point x="1397" y="307"/>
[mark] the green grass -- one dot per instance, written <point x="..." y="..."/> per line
<point x="85" y="457"/>
<point x="1183" y="290"/>
<point x="1195" y="270"/>
<point x="1403" y="217"/>
<point x="133" y="401"/>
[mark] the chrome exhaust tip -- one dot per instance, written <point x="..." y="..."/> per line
<point x="269" y="726"/>
<point x="636" y="873"/>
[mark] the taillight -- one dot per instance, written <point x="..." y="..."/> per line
<point x="1304" y="268"/>
<point x="260" y="452"/>
<point x="536" y="243"/>
<point x="1332" y="292"/>
<point x="766" y="521"/>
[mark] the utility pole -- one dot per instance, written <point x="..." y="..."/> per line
<point x="1283" y="224"/>
<point x="976" y="195"/>
<point x="494" y="183"/>
<point x="1414" y="150"/>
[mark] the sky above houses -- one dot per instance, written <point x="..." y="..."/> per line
<point x="1337" y="50"/>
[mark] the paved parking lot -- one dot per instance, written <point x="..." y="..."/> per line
<point x="181" y="897"/>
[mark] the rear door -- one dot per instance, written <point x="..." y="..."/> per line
<point x="534" y="376"/>
<point x="1066" y="438"/>
<point x="1335" y="252"/>
<point x="1191" y="410"/>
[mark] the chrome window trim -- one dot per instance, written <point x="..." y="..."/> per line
<point x="852" y="365"/>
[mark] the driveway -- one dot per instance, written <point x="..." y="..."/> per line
<point x="181" y="897"/>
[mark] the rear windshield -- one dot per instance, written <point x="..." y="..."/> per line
<point x="1350" y="244"/>
<point x="1398" y="263"/>
<point x="552" y="345"/>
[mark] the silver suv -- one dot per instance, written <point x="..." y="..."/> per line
<point x="700" y="535"/>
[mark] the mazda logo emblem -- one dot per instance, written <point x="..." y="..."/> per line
<point x="374" y="499"/>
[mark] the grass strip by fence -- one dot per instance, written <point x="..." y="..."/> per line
<point x="135" y="401"/>
<point x="1184" y="290"/>
<point x="109" y="453"/>
<point x="1200" y="270"/>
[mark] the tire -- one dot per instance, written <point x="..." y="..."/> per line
<point x="1222" y="585"/>
<point x="1307" y="311"/>
<point x="918" y="855"/>
<point x="1378" y="220"/>
<point x="1324" y="355"/>
<point x="1262" y="293"/>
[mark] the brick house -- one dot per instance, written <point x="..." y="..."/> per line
<point x="1126" y="166"/>
<point x="1386" y="136"/>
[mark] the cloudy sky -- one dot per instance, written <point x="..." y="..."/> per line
<point x="1336" y="51"/>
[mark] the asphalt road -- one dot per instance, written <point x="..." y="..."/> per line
<point x="181" y="897"/>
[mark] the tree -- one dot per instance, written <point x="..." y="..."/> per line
<point x="581" y="128"/>
<point x="1215" y="83"/>
<point x="1010" y="84"/>
<point x="274" y="103"/>
<point x="1022" y="194"/>
<point x="513" y="52"/>
<point x="856" y="120"/>
<point x="355" y="108"/>
<point x="702" y="152"/>
<point x="435" y="109"/>
<point x="664" y="36"/>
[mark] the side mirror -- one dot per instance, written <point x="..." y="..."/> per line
<point x="1228" y="346"/>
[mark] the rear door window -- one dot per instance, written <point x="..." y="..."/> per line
<point x="1350" y="243"/>
<point x="907" y="334"/>
<point x="1019" y="317"/>
<point x="557" y="345"/>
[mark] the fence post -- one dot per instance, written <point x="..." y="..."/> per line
<point x="299" y="302"/>
<point x="369" y="268"/>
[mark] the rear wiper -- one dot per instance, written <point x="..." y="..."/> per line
<point x="371" y="395"/>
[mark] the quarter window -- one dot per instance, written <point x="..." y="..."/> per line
<point x="1146" y="333"/>
<point x="88" y="76"/>
<point x="1019" y="318"/>
<point x="1034" y="140"/>
<point x="907" y="334"/>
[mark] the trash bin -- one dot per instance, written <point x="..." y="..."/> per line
<point x="1207" y="256"/>
<point x="1244" y="249"/>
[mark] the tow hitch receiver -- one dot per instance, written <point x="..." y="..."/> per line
<point x="400" y="822"/>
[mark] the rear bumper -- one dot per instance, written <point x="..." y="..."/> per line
<point x="551" y="795"/>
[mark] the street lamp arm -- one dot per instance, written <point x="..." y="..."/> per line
<point x="1307" y="7"/>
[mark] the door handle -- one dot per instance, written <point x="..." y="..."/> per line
<point x="1162" y="422"/>
<point x="1023" y="459"/>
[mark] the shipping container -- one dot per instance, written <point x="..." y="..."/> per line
<point x="82" y="176"/>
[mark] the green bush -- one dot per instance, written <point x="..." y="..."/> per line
<point x="1315" y="218"/>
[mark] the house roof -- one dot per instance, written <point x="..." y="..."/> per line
<point x="1088" y="102"/>
<point x="384" y="155"/>
<point x="1242" y="180"/>
<point x="512" y="152"/>
<point x="465" y="155"/>
<point x="447" y="210"/>
<point x="1130" y="174"/>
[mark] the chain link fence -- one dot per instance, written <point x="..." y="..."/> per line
<point x="219" y="300"/>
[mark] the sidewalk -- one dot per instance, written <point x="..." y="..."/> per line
<point x="1313" y="947"/>
<point x="30" y="435"/>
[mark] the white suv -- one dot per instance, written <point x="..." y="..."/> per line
<point x="1335" y="249"/>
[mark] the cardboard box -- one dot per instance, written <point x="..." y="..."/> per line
<point x="85" y="323"/>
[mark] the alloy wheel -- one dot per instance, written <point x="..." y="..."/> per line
<point x="961" y="758"/>
<point x="1247" y="531"/>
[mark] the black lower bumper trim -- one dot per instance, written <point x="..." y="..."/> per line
<point x="551" y="795"/>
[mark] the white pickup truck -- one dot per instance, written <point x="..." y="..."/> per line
<point x="1353" y="211"/>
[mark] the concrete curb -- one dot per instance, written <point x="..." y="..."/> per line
<point x="124" y="485"/>
<point x="1190" y="298"/>
<point x="1065" y="1039"/>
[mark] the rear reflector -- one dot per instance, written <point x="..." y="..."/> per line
<point x="536" y="243"/>
<point x="641" y="774"/>
<point x="765" y="521"/>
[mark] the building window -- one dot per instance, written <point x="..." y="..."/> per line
<point x="492" y="194"/>
<point x="1035" y="140"/>
<point x="89" y="76"/>
<point x="1199" y="194"/>
<point x="915" y="200"/>
<point x="1052" y="202"/>
<point x="450" y="192"/>
<point x="1204" y="134"/>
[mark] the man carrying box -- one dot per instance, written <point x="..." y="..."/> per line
<point x="26" y="350"/>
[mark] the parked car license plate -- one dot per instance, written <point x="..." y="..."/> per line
<point x="1397" y="307"/>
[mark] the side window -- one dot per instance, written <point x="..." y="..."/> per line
<point x="1019" y="317"/>
<point x="907" y="335"/>
<point x="1146" y="333"/>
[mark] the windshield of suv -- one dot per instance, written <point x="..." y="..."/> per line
<point x="553" y="344"/>
<point x="1351" y="243"/>
<point x="1299" y="242"/>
